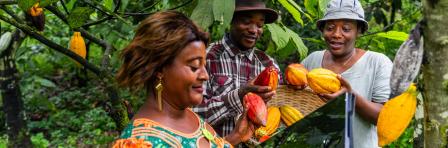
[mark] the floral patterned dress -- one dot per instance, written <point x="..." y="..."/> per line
<point x="144" y="132"/>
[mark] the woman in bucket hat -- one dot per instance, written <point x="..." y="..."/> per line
<point x="365" y="73"/>
<point x="232" y="63"/>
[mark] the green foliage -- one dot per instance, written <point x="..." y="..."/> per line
<point x="223" y="11"/>
<point x="405" y="140"/>
<point x="67" y="107"/>
<point x="39" y="141"/>
<point x="203" y="14"/>
<point x="286" y="42"/>
<point x="25" y="5"/>
<point x="79" y="16"/>
<point x="394" y="35"/>
<point x="3" y="141"/>
<point x="294" y="9"/>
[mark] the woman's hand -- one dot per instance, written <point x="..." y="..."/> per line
<point x="243" y="130"/>
<point x="345" y="87"/>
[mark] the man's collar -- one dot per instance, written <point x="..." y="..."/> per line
<point x="233" y="49"/>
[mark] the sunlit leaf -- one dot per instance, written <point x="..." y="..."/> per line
<point x="109" y="4"/>
<point x="323" y="7"/>
<point x="223" y="11"/>
<point x="293" y="10"/>
<point x="79" y="16"/>
<point x="203" y="14"/>
<point x="310" y="6"/>
<point x="278" y="35"/>
<point x="394" y="35"/>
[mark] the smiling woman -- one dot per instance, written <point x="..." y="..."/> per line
<point x="166" y="59"/>
<point x="367" y="72"/>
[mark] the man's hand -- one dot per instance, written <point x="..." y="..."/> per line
<point x="345" y="87"/>
<point x="264" y="92"/>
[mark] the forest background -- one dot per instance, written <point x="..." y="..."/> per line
<point x="62" y="104"/>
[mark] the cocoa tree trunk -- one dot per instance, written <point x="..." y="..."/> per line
<point x="11" y="96"/>
<point x="435" y="73"/>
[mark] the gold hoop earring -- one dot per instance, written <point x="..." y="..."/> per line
<point x="159" y="88"/>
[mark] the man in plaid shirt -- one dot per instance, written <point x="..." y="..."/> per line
<point x="233" y="63"/>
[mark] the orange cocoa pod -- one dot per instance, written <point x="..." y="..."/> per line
<point x="256" y="109"/>
<point x="268" y="77"/>
<point x="295" y="74"/>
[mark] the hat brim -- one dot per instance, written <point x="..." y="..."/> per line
<point x="342" y="15"/>
<point x="270" y="15"/>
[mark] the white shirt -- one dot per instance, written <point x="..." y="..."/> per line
<point x="370" y="78"/>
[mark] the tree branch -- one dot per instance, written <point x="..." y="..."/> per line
<point x="186" y="3"/>
<point x="12" y="14"/>
<point x="7" y="2"/>
<point x="155" y="3"/>
<point x="65" y="8"/>
<point x="149" y="13"/>
<point x="33" y="33"/>
<point x="119" y="114"/>
<point x="97" y="22"/>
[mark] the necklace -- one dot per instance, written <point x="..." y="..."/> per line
<point x="349" y="59"/>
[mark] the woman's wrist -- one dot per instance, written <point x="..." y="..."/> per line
<point x="233" y="138"/>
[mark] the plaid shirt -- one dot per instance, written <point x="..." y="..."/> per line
<point x="229" y="68"/>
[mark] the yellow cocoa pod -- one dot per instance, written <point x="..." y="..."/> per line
<point x="77" y="45"/>
<point x="396" y="115"/>
<point x="323" y="81"/>
<point x="295" y="74"/>
<point x="290" y="115"/>
<point x="272" y="123"/>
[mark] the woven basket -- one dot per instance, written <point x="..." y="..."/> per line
<point x="303" y="100"/>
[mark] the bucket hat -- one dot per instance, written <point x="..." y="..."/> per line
<point x="344" y="9"/>
<point x="256" y="5"/>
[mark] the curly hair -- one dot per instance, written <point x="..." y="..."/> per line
<point x="158" y="40"/>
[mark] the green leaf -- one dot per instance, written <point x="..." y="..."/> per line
<point x="108" y="4"/>
<point x="278" y="35"/>
<point x="310" y="6"/>
<point x="394" y="35"/>
<point x="298" y="43"/>
<point x="203" y="14"/>
<point x="70" y="5"/>
<point x="79" y="16"/>
<point x="323" y="7"/>
<point x="285" y="52"/>
<point x="44" y="3"/>
<point x="25" y="5"/>
<point x="271" y="48"/>
<point x="223" y="11"/>
<point x="293" y="9"/>
<point x="124" y="5"/>
<point x="44" y="82"/>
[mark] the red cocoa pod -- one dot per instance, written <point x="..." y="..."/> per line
<point x="264" y="138"/>
<point x="257" y="111"/>
<point x="268" y="77"/>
